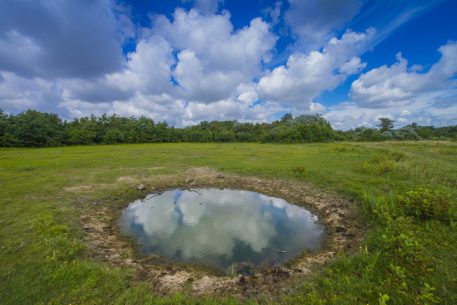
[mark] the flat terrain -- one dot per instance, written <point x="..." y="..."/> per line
<point x="406" y="258"/>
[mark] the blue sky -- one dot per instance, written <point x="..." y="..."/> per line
<point x="185" y="61"/>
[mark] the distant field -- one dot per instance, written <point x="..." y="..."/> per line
<point x="409" y="256"/>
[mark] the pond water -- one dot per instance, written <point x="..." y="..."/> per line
<point x="221" y="228"/>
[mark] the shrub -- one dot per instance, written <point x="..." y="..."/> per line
<point x="427" y="204"/>
<point x="402" y="244"/>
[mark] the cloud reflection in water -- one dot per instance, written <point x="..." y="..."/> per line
<point x="219" y="227"/>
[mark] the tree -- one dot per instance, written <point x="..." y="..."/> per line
<point x="35" y="129"/>
<point x="287" y="117"/>
<point x="3" y="121"/>
<point x="3" y="125"/>
<point x="385" y="124"/>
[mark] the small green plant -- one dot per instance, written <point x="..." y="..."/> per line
<point x="404" y="248"/>
<point x="379" y="164"/>
<point x="383" y="299"/>
<point x="299" y="170"/>
<point x="427" y="295"/>
<point x="427" y="204"/>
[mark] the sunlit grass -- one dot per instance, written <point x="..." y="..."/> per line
<point x="44" y="259"/>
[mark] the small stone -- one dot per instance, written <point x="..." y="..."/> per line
<point x="220" y="176"/>
<point x="340" y="229"/>
<point x="141" y="187"/>
<point x="242" y="280"/>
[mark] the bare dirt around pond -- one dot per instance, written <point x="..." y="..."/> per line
<point x="99" y="221"/>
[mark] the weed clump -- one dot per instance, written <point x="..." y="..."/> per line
<point x="384" y="163"/>
<point x="428" y="204"/>
<point x="299" y="170"/>
<point x="398" y="156"/>
<point x="379" y="164"/>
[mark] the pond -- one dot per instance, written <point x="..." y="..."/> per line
<point x="221" y="228"/>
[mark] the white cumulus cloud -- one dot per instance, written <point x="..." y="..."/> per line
<point x="399" y="84"/>
<point x="404" y="93"/>
<point x="304" y="77"/>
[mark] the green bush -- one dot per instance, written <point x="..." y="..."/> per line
<point x="428" y="204"/>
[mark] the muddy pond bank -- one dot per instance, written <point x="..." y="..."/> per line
<point x="99" y="222"/>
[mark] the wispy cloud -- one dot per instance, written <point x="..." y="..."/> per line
<point x="386" y="16"/>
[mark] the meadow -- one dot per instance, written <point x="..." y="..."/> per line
<point x="406" y="193"/>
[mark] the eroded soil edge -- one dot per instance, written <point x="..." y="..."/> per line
<point x="338" y="214"/>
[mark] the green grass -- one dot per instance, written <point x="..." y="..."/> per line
<point x="404" y="260"/>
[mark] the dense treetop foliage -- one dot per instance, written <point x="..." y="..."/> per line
<point x="37" y="129"/>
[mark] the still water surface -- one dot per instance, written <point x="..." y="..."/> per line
<point x="220" y="227"/>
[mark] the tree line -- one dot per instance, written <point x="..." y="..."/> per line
<point x="38" y="129"/>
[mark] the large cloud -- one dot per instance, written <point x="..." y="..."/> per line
<point x="192" y="67"/>
<point x="148" y="69"/>
<point x="304" y="77"/>
<point x="59" y="39"/>
<point x="403" y="93"/>
<point x="399" y="84"/>
<point x="18" y="93"/>
<point x="214" y="59"/>
<point x="195" y="65"/>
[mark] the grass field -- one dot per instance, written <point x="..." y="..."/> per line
<point x="409" y="255"/>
